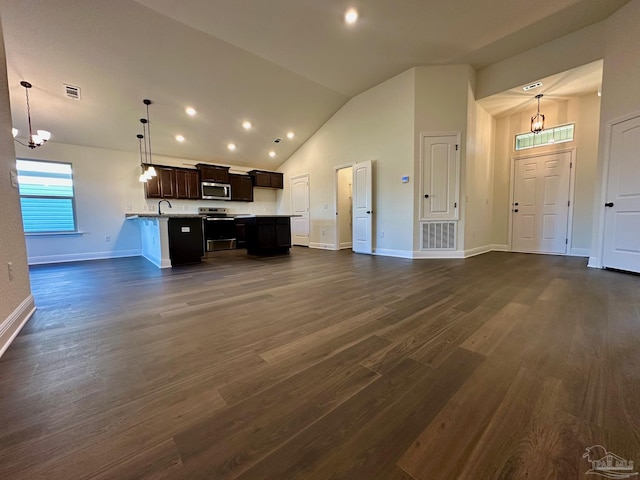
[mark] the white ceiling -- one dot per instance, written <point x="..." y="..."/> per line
<point x="282" y="64"/>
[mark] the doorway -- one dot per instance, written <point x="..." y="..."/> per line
<point x="344" y="207"/>
<point x="541" y="203"/>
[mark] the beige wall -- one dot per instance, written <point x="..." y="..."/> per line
<point x="13" y="292"/>
<point x="376" y="125"/>
<point x="584" y="111"/>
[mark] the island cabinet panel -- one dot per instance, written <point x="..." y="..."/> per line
<point x="265" y="235"/>
<point x="213" y="173"/>
<point x="163" y="184"/>
<point x="241" y="187"/>
<point x="266" y="179"/>
<point x="187" y="184"/>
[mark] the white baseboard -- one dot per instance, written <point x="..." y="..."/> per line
<point x="580" y="252"/>
<point x="387" y="252"/>
<point x="323" y="246"/>
<point x="472" y="252"/>
<point x="594" y="262"/>
<point x="159" y="262"/>
<point x="79" y="257"/>
<point x="345" y="245"/>
<point x="11" y="326"/>
<point x="438" y="254"/>
<point x="496" y="247"/>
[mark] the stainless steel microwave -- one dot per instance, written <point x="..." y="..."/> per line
<point x="216" y="191"/>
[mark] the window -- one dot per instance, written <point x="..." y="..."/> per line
<point x="46" y="196"/>
<point x="559" y="134"/>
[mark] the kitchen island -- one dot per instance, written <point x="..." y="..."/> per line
<point x="169" y="240"/>
<point x="264" y="234"/>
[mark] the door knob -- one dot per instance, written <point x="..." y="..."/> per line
<point x="609" y="204"/>
<point x="516" y="204"/>
<point x="426" y="195"/>
<point x="369" y="211"/>
<point x="516" y="210"/>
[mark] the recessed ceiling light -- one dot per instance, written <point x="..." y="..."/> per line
<point x="190" y="111"/>
<point x="180" y="138"/>
<point x="272" y="154"/>
<point x="246" y="125"/>
<point x="231" y="146"/>
<point x="290" y="135"/>
<point x="351" y="16"/>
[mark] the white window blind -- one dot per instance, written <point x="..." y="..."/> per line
<point x="46" y="196"/>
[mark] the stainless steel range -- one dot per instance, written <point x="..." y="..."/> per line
<point x="219" y="228"/>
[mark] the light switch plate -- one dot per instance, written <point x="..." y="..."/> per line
<point x="13" y="175"/>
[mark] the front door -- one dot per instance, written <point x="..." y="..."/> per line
<point x="362" y="208"/>
<point x="300" y="208"/>
<point x="622" y="217"/>
<point x="540" y="207"/>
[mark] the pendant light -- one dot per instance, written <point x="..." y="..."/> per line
<point x="41" y="136"/>
<point x="150" y="170"/>
<point x="537" y="121"/>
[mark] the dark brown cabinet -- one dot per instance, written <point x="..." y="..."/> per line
<point x="264" y="235"/>
<point x="266" y="179"/>
<point x="213" y="173"/>
<point x="241" y="187"/>
<point x="187" y="184"/>
<point x="163" y="184"/>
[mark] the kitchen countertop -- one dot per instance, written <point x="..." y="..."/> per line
<point x="249" y="215"/>
<point x="131" y="216"/>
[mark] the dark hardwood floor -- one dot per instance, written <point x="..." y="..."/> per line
<point x="323" y="365"/>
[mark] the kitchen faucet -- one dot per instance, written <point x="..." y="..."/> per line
<point x="160" y="211"/>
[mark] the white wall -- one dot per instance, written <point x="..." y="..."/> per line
<point x="584" y="111"/>
<point x="441" y="107"/>
<point x="17" y="303"/>
<point x="376" y="125"/>
<point x="106" y="187"/>
<point x="478" y="199"/>
<point x="620" y="97"/>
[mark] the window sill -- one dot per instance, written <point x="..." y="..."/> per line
<point x="53" y="234"/>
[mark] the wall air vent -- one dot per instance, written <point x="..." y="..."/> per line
<point x="277" y="140"/>
<point x="439" y="236"/>
<point x="72" y="91"/>
<point x="532" y="86"/>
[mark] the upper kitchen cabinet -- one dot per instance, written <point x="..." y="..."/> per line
<point x="187" y="184"/>
<point x="163" y="185"/>
<point x="267" y="179"/>
<point x="213" y="173"/>
<point x="241" y="187"/>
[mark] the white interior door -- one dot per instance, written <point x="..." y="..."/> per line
<point x="300" y="206"/>
<point x="362" y="207"/>
<point x="439" y="177"/>
<point x="540" y="207"/>
<point x="622" y="217"/>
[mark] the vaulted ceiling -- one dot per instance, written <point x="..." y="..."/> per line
<point x="283" y="65"/>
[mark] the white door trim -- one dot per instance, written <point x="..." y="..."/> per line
<point x="572" y="182"/>
<point x="596" y="261"/>
<point x="424" y="135"/>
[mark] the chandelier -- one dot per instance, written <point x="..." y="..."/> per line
<point x="41" y="136"/>
<point x="148" y="172"/>
<point x="537" y="121"/>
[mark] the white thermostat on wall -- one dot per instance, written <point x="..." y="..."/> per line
<point x="405" y="179"/>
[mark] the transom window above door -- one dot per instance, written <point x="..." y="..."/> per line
<point x="559" y="134"/>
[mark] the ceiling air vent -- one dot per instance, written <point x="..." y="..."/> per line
<point x="532" y="86"/>
<point x="72" y="91"/>
<point x="277" y="140"/>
